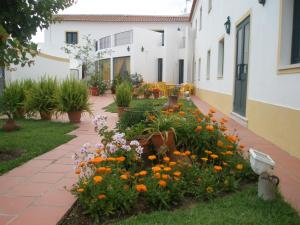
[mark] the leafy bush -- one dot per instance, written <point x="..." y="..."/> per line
<point x="102" y="87"/>
<point x="123" y="94"/>
<point x="94" y="81"/>
<point x="42" y="96"/>
<point x="72" y="96"/>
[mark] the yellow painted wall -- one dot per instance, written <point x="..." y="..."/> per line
<point x="280" y="125"/>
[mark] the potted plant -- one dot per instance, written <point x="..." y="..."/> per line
<point x="173" y="96"/>
<point x="123" y="96"/>
<point x="94" y="85"/>
<point x="9" y="106"/>
<point x="102" y="87"/>
<point x="42" y="98"/>
<point x="72" y="97"/>
<point x="155" y="92"/>
<point x="147" y="91"/>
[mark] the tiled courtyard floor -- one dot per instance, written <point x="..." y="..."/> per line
<point x="34" y="194"/>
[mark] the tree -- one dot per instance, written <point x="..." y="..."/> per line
<point x="19" y="20"/>
<point x="84" y="53"/>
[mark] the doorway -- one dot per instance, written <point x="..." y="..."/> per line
<point x="241" y="68"/>
<point x="181" y="69"/>
<point x="159" y="69"/>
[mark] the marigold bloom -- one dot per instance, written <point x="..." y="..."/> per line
<point x="198" y="128"/>
<point x="214" y="156"/>
<point x="77" y="171"/>
<point x="212" y="110"/>
<point x="218" y="168"/>
<point x="80" y="190"/>
<point x="101" y="197"/>
<point x="157" y="175"/>
<point x="101" y="169"/>
<point x="223" y="128"/>
<point x="229" y="153"/>
<point x="141" y="188"/>
<point x="152" y="157"/>
<point x="97" y="179"/>
<point x="172" y="163"/>
<point x="199" y="120"/>
<point x="193" y="156"/>
<point x="213" y="119"/>
<point x="232" y="138"/>
<point x="136" y="174"/>
<point x="229" y="147"/>
<point x="208" y="152"/>
<point x="167" y="169"/>
<point x="97" y="160"/>
<point x="151" y="117"/>
<point x="124" y="177"/>
<point x="162" y="183"/>
<point x="170" y="110"/>
<point x="187" y="153"/>
<point x="82" y="164"/>
<point x="143" y="173"/>
<point x="181" y="113"/>
<point x="209" y="127"/>
<point x="111" y="159"/>
<point x="156" y="169"/>
<point x="121" y="159"/>
<point x="177" y="152"/>
<point x="239" y="166"/>
<point x="242" y="146"/>
<point x="204" y="159"/>
<point x="177" y="173"/>
<point x="166" y="159"/>
<point x="220" y="143"/>
<point x="209" y="189"/>
<point x="165" y="176"/>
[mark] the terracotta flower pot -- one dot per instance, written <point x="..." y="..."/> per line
<point x="94" y="91"/>
<point x="173" y="99"/>
<point x="158" y="141"/>
<point x="10" y="125"/>
<point x="121" y="110"/>
<point x="156" y="95"/>
<point x="74" y="117"/>
<point x="45" y="115"/>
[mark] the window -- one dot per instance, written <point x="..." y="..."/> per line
<point x="72" y="37"/>
<point x="209" y="5"/>
<point x="199" y="69"/>
<point x="105" y="42"/>
<point x="123" y="38"/>
<point x="296" y="34"/>
<point x="208" y="66"/>
<point x="96" y="46"/>
<point x="221" y="59"/>
<point x="159" y="69"/>
<point x="200" y="19"/>
<point x="162" y="36"/>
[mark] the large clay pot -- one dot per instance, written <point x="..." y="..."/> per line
<point x="46" y="115"/>
<point x="121" y="110"/>
<point x="158" y="141"/>
<point x="10" y="125"/>
<point x="173" y="99"/>
<point x="74" y="117"/>
<point x="94" y="91"/>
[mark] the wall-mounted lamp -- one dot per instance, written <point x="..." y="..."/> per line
<point x="178" y="29"/>
<point x="142" y="49"/>
<point x="227" y="25"/>
<point x="128" y="49"/>
<point x="263" y="2"/>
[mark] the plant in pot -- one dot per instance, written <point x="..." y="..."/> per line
<point x="102" y="87"/>
<point x="155" y="92"/>
<point x="41" y="98"/>
<point x="147" y="91"/>
<point x="72" y="97"/>
<point x="9" y="106"/>
<point x="94" y="85"/>
<point x="123" y="96"/>
<point x="172" y="97"/>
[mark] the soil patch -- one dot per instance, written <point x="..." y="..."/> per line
<point x="6" y="155"/>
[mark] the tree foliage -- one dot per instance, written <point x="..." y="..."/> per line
<point x="19" y="20"/>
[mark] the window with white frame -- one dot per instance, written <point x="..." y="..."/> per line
<point x="221" y="58"/>
<point x="105" y="42"/>
<point x="200" y="18"/>
<point x="123" y="38"/>
<point x="199" y="69"/>
<point x="209" y="5"/>
<point x="208" y="65"/>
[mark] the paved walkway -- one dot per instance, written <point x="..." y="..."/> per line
<point x="287" y="167"/>
<point x="34" y="194"/>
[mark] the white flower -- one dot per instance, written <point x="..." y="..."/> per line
<point x="126" y="148"/>
<point x="139" y="150"/>
<point x="111" y="148"/>
<point x="90" y="157"/>
<point x="135" y="143"/>
<point x="83" y="150"/>
<point x="103" y="155"/>
<point x="87" y="145"/>
<point x="99" y="146"/>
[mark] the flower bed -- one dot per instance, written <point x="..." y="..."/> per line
<point x="117" y="177"/>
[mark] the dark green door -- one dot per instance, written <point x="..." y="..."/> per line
<point x="181" y="69"/>
<point x="241" y="69"/>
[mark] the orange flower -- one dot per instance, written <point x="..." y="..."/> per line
<point x="166" y="159"/>
<point x="187" y="153"/>
<point x="218" y="168"/>
<point x="204" y="159"/>
<point x="77" y="171"/>
<point x="82" y="164"/>
<point x="97" y="179"/>
<point x="228" y="153"/>
<point x="111" y="159"/>
<point x="239" y="166"/>
<point x="143" y="173"/>
<point x="151" y="117"/>
<point x="213" y="119"/>
<point x="141" y="188"/>
<point x="101" y="197"/>
<point x="152" y="157"/>
<point x="208" y="152"/>
<point x="181" y="113"/>
<point x="212" y="110"/>
<point x="101" y="169"/>
<point x="214" y="156"/>
<point x="220" y="143"/>
<point x="224" y="120"/>
<point x="80" y="190"/>
<point x="232" y="138"/>
<point x="198" y="128"/>
<point x="172" y="163"/>
<point x="121" y="159"/>
<point x="108" y="170"/>
<point x="229" y="146"/>
<point x="209" y="189"/>
<point x="177" y="152"/>
<point x="167" y="169"/>
<point x="165" y="176"/>
<point x="157" y="175"/>
<point x="124" y="177"/>
<point x="209" y="128"/>
<point x="242" y="146"/>
<point x="193" y="156"/>
<point x="162" y="183"/>
<point x="156" y="169"/>
<point x="199" y="120"/>
<point x="97" y="160"/>
<point x="170" y="110"/>
<point x="223" y="128"/>
<point x="177" y="174"/>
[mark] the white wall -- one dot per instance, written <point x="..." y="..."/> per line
<point x="43" y="65"/>
<point x="264" y="83"/>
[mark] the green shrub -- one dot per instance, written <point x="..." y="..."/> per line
<point x="102" y="87"/>
<point x="72" y="96"/>
<point x="123" y="94"/>
<point x="42" y="96"/>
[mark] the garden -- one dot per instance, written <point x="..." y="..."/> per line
<point x="165" y="155"/>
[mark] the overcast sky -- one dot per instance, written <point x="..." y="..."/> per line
<point x="135" y="7"/>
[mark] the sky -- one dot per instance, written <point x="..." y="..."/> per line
<point x="131" y="7"/>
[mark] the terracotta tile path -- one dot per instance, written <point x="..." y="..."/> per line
<point x="287" y="167"/>
<point x="34" y="194"/>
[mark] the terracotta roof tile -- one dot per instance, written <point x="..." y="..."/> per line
<point x="121" y="18"/>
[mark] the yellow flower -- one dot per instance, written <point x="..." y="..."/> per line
<point x="166" y="159"/>
<point x="177" y="174"/>
<point x="204" y="159"/>
<point x="209" y="189"/>
<point x="172" y="163"/>
<point x="208" y="152"/>
<point x="124" y="177"/>
<point x="167" y="169"/>
<point x="143" y="173"/>
<point x="141" y="188"/>
<point x="193" y="156"/>
<point x="97" y="179"/>
<point x="152" y="157"/>
<point x="156" y="169"/>
<point x="228" y="153"/>
<point x="214" y="156"/>
<point x="162" y="183"/>
<point x="239" y="166"/>
<point x="101" y="197"/>
<point x="177" y="152"/>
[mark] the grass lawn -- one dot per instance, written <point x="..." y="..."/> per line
<point x="241" y="208"/>
<point x="33" y="139"/>
<point x="137" y="102"/>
